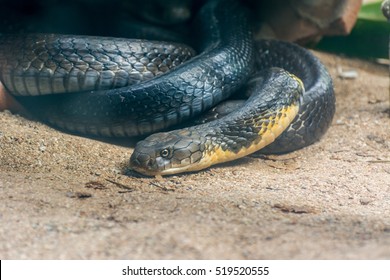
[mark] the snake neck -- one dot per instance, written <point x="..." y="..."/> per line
<point x="257" y="124"/>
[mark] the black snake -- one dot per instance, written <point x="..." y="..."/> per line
<point x="114" y="96"/>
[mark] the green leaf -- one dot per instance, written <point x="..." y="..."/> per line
<point x="371" y="11"/>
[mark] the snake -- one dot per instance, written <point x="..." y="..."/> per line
<point x="119" y="88"/>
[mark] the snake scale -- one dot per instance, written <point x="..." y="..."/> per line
<point x="121" y="88"/>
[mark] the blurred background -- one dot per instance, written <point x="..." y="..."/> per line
<point x="351" y="27"/>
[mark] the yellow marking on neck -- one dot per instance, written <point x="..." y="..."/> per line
<point x="267" y="135"/>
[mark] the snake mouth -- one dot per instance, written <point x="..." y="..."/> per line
<point x="144" y="164"/>
<point x="150" y="167"/>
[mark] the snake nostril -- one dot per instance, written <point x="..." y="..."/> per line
<point x="150" y="163"/>
<point x="134" y="161"/>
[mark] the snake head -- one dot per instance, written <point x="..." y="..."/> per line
<point x="167" y="153"/>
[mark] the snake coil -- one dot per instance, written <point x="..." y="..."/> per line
<point x="129" y="88"/>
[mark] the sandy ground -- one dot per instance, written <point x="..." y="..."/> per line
<point x="69" y="197"/>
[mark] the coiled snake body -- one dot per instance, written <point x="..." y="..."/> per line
<point x="108" y="104"/>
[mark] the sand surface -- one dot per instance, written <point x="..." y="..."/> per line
<point x="69" y="197"/>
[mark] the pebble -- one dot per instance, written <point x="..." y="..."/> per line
<point x="385" y="7"/>
<point x="365" y="201"/>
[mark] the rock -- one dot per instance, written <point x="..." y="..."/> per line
<point x="8" y="102"/>
<point x="306" y="21"/>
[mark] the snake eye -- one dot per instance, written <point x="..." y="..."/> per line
<point x="165" y="153"/>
